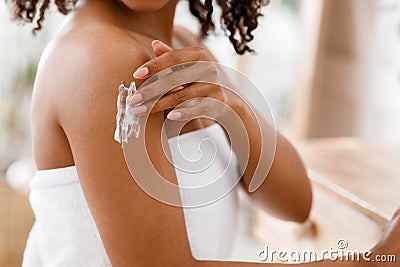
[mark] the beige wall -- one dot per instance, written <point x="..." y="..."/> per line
<point x="336" y="68"/>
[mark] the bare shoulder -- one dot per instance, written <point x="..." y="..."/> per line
<point x="187" y="37"/>
<point x="81" y="52"/>
<point x="76" y="88"/>
<point x="81" y="64"/>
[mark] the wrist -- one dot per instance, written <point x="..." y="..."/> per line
<point x="237" y="104"/>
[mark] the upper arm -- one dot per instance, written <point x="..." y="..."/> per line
<point x="133" y="226"/>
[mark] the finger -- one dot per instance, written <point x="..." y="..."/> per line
<point x="141" y="110"/>
<point x="160" y="48"/>
<point x="169" y="59"/>
<point x="183" y="114"/>
<point x="167" y="82"/>
<point x="200" y="107"/>
<point x="174" y="99"/>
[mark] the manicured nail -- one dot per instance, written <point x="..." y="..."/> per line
<point x="139" y="110"/>
<point x="159" y="43"/>
<point x="156" y="42"/>
<point x="135" y="99"/>
<point x="141" y="73"/>
<point x="174" y="115"/>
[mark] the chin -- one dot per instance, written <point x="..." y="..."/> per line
<point x="145" y="5"/>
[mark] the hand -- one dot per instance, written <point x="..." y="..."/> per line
<point x="206" y="99"/>
<point x="389" y="243"/>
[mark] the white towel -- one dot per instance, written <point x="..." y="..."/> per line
<point x="64" y="233"/>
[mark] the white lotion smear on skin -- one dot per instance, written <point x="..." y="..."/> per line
<point x="127" y="123"/>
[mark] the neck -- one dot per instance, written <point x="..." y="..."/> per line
<point x="156" y="24"/>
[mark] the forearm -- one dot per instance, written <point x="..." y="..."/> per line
<point x="324" y="263"/>
<point x="286" y="190"/>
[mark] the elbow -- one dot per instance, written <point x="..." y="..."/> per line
<point x="304" y="210"/>
<point x="295" y="210"/>
<point x="303" y="216"/>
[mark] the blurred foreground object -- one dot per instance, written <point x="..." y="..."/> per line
<point x="366" y="169"/>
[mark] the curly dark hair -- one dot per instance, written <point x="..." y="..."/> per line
<point x="239" y="18"/>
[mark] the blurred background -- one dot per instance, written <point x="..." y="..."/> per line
<point x="331" y="72"/>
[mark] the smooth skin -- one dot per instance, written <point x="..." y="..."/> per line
<point x="286" y="192"/>
<point x="73" y="111"/>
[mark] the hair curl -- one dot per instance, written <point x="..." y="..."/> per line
<point x="239" y="18"/>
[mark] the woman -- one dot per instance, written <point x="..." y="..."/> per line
<point x="73" y="117"/>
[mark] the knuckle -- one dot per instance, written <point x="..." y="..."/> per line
<point x="146" y="93"/>
<point x="204" y="106"/>
<point x="180" y="95"/>
<point x="156" y="66"/>
<point x="201" y="52"/>
<point x="197" y="91"/>
<point x="175" y="57"/>
<point x="205" y="110"/>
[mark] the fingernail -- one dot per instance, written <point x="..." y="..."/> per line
<point x="174" y="115"/>
<point x="139" y="110"/>
<point x="135" y="99"/>
<point x="155" y="42"/>
<point x="158" y="42"/>
<point x="141" y="72"/>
